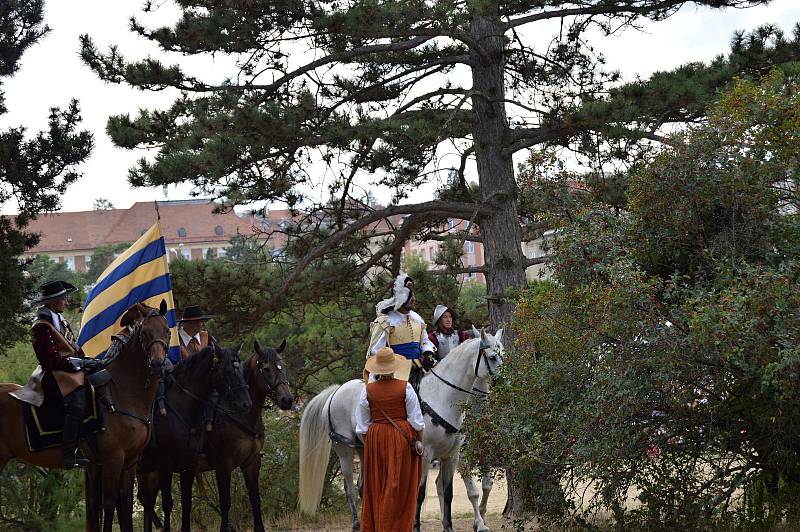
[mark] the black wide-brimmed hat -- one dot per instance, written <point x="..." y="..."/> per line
<point x="194" y="312"/>
<point x="53" y="290"/>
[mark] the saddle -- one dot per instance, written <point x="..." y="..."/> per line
<point x="33" y="392"/>
<point x="45" y="423"/>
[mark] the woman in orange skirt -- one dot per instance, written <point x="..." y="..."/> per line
<point x="391" y="466"/>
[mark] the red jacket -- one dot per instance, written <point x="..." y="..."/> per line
<point x="46" y="344"/>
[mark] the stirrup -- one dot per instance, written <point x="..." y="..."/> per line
<point x="75" y="463"/>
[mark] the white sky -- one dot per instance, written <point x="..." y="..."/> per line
<point x="52" y="73"/>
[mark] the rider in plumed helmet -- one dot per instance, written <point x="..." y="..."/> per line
<point x="398" y="326"/>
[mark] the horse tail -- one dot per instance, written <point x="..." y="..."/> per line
<point x="315" y="450"/>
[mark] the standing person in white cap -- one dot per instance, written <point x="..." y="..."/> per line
<point x="445" y="337"/>
<point x="398" y="326"/>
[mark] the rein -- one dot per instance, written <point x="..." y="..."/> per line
<point x="475" y="392"/>
<point x="136" y="332"/>
<point x="204" y="402"/>
<point x="436" y="419"/>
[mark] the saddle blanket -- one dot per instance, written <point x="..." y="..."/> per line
<point x="44" y="424"/>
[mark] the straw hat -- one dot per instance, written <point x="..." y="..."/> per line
<point x="385" y="361"/>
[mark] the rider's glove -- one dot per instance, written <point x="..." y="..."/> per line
<point x="428" y="360"/>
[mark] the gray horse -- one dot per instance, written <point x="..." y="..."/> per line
<point x="443" y="393"/>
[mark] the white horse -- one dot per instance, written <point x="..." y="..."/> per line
<point x="330" y="417"/>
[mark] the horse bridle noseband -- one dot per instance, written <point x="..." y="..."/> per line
<point x="281" y="377"/>
<point x="476" y="392"/>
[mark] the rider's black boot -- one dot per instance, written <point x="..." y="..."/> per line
<point x="75" y="406"/>
<point x="414" y="377"/>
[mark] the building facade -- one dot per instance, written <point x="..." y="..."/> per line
<point x="191" y="230"/>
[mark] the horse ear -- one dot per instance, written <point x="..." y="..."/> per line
<point x="498" y="336"/>
<point x="130" y="315"/>
<point x="475" y="332"/>
<point x="257" y="347"/>
<point x="483" y="334"/>
<point x="282" y="346"/>
<point x="162" y="308"/>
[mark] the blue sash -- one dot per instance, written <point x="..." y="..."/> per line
<point x="409" y="350"/>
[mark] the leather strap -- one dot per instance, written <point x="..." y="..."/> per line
<point x="409" y="440"/>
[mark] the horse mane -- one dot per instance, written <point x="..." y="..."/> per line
<point x="461" y="351"/>
<point x="197" y="359"/>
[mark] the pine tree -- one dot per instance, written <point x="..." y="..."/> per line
<point x="392" y="86"/>
<point x="34" y="172"/>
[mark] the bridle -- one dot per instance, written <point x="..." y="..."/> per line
<point x="475" y="392"/>
<point x="155" y="370"/>
<point x="271" y="388"/>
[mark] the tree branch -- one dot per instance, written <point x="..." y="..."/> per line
<point x="456" y="271"/>
<point x="537" y="260"/>
<point x="594" y="10"/>
<point x="444" y="208"/>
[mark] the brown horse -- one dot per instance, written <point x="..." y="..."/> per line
<point x="235" y="441"/>
<point x="134" y="378"/>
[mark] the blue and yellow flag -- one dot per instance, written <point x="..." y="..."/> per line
<point x="139" y="275"/>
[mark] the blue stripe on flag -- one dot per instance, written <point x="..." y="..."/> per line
<point x="172" y="318"/>
<point x="110" y="315"/>
<point x="174" y="354"/>
<point x="151" y="251"/>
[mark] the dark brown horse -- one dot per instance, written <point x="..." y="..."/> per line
<point x="179" y="435"/>
<point x="134" y="374"/>
<point x="237" y="440"/>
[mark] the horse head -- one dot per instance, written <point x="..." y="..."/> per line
<point x="227" y="378"/>
<point x="272" y="379"/>
<point x="491" y="353"/>
<point x="150" y="331"/>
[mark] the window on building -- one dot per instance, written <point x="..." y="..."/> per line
<point x="182" y="232"/>
<point x="451" y="224"/>
<point x="221" y="252"/>
<point x="469" y="247"/>
<point x="218" y="230"/>
<point x="70" y="263"/>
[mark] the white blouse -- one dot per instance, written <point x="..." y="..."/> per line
<point x="364" y="415"/>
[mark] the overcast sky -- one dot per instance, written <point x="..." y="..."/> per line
<point x="52" y="73"/>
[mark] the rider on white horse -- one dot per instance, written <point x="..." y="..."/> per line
<point x="402" y="329"/>
<point x="445" y="337"/>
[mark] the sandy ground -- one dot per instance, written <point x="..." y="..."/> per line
<point x="462" y="510"/>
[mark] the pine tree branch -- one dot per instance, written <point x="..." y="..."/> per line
<point x="603" y="9"/>
<point x="442" y="208"/>
<point x="521" y="138"/>
<point x="537" y="260"/>
<point x="460" y="235"/>
<point x="430" y="33"/>
<point x="455" y="271"/>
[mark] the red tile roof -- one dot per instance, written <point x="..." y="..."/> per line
<point x="90" y="229"/>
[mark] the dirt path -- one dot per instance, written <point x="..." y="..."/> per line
<point x="462" y="511"/>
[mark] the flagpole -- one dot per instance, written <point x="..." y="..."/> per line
<point x="173" y="330"/>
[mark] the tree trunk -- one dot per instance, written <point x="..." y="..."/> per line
<point x="501" y="231"/>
